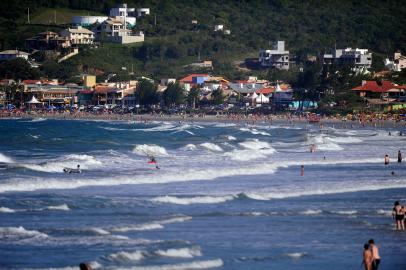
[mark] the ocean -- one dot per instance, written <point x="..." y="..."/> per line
<point x="225" y="196"/>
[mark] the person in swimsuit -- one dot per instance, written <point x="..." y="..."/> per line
<point x="398" y="216"/>
<point x="376" y="259"/>
<point x="367" y="258"/>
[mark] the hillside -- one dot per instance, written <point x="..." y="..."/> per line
<point x="308" y="28"/>
<point x="58" y="15"/>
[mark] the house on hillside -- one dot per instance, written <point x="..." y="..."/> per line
<point x="142" y="12"/>
<point x="398" y="63"/>
<point x="47" y="41"/>
<point x="383" y="92"/>
<point x="114" y="30"/>
<point x="276" y="57"/>
<point x="358" y="58"/>
<point x="78" y="35"/>
<point x="193" y="80"/>
<point x="13" y="54"/>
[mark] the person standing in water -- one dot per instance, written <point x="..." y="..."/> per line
<point x="367" y="258"/>
<point x="376" y="259"/>
<point x="400" y="156"/>
<point x="302" y="170"/>
<point x="386" y="159"/>
<point x="398" y="216"/>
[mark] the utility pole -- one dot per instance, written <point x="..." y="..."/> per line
<point x="55" y="16"/>
<point x="28" y="16"/>
<point x="155" y="20"/>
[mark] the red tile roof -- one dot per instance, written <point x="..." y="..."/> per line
<point x="101" y="89"/>
<point x="31" y="81"/>
<point x="189" y="78"/>
<point x="373" y="86"/>
<point x="266" y="90"/>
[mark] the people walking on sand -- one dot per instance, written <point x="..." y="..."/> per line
<point x="376" y="259"/>
<point x="399" y="216"/>
<point x="400" y="156"/>
<point x="386" y="159"/>
<point x="367" y="258"/>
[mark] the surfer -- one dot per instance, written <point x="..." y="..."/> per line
<point x="152" y="160"/>
<point x="70" y="170"/>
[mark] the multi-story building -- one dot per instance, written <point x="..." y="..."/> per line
<point x="114" y="30"/>
<point x="78" y="35"/>
<point x="47" y="41"/>
<point x="276" y="57"/>
<point x="398" y="63"/>
<point x="358" y="58"/>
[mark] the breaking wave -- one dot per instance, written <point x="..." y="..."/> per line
<point x="255" y="131"/>
<point x="62" y="207"/>
<point x="150" y="150"/>
<point x="194" y="265"/>
<point x="192" y="200"/>
<point x="20" y="233"/>
<point x="127" y="256"/>
<point x="211" y="147"/>
<point x="7" y="210"/>
<point x="180" y="252"/>
<point x="5" y="159"/>
<point x="156" y="225"/>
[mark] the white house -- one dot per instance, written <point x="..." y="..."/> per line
<point x="128" y="14"/>
<point x="218" y="27"/>
<point x="114" y="30"/>
<point x="277" y="57"/>
<point x="13" y="54"/>
<point x="142" y="12"/>
<point x="398" y="63"/>
<point x="78" y="35"/>
<point x="359" y="58"/>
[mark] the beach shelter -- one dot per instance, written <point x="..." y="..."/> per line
<point x="278" y="88"/>
<point x="33" y="102"/>
<point x="261" y="98"/>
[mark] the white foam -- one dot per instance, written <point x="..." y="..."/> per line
<point x="62" y="207"/>
<point x="311" y="212"/>
<point x="189" y="147"/>
<point x="343" y="140"/>
<point x="181" y="266"/>
<point x="95" y="265"/>
<point x="387" y="213"/>
<point x="150" y="149"/>
<point x="17" y="233"/>
<point x="295" y="255"/>
<point x="180" y="252"/>
<point x="127" y="256"/>
<point x="212" y="147"/>
<point x="245" y="155"/>
<point x="70" y="161"/>
<point x="192" y="200"/>
<point x="255" y="131"/>
<point x="6" y="210"/>
<point x="99" y="231"/>
<point x="231" y="138"/>
<point x="141" y="227"/>
<point x="346" y="212"/>
<point x="5" y="159"/>
<point x="256" y="144"/>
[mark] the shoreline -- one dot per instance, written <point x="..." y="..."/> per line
<point x="245" y="120"/>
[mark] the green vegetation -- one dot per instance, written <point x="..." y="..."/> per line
<point x="309" y="27"/>
<point x="59" y="15"/>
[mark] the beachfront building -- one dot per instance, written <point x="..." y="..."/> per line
<point x="47" y="41"/>
<point x="193" y="80"/>
<point x="381" y="92"/>
<point x="51" y="93"/>
<point x="204" y="82"/>
<point x="78" y="35"/>
<point x="114" y="30"/>
<point x="360" y="59"/>
<point x="120" y="93"/>
<point x="276" y="57"/>
<point x="397" y="64"/>
<point x="13" y="54"/>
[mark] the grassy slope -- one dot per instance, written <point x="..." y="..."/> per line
<point x="63" y="15"/>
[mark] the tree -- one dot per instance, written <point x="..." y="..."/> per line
<point x="217" y="96"/>
<point x="146" y="93"/>
<point x="18" y="69"/>
<point x="193" y="97"/>
<point x="173" y="95"/>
